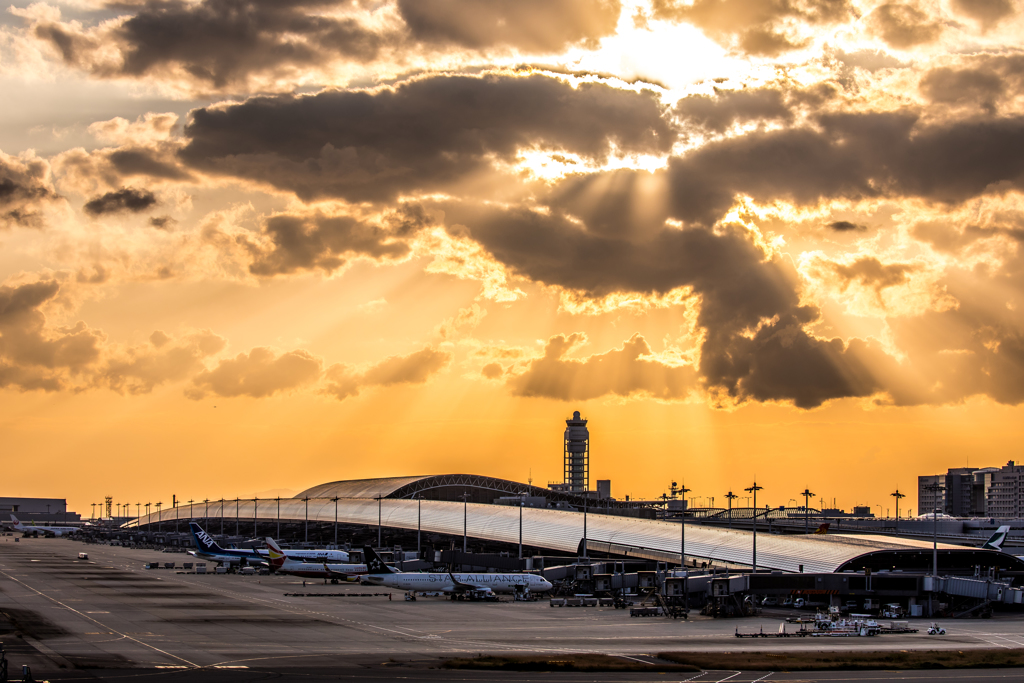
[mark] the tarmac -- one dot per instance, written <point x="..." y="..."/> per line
<point x="108" y="618"/>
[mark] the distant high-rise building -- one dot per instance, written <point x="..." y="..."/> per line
<point x="577" y="454"/>
<point x="929" y="500"/>
<point x="968" y="492"/>
<point x="1006" y="493"/>
<point x="959" y="489"/>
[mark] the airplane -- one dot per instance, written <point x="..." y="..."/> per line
<point x="55" y="530"/>
<point x="996" y="542"/>
<point x="208" y="549"/>
<point x="457" y="585"/>
<point x="282" y="564"/>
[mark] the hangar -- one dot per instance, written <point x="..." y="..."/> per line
<point x="462" y="503"/>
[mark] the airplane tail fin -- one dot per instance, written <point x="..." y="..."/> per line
<point x="823" y="529"/>
<point x="374" y="563"/>
<point x="15" y="520"/>
<point x="996" y="542"/>
<point x="275" y="555"/>
<point x="203" y="540"/>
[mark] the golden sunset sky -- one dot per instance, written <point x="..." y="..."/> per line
<point x="249" y="246"/>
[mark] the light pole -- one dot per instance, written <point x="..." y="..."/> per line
<point x="335" y="521"/>
<point x="682" y="543"/>
<point x="897" y="495"/>
<point x="522" y="502"/>
<point x="138" y="514"/>
<point x="222" y="517"/>
<point x="935" y="488"/>
<point x="465" y="519"/>
<point x="159" y="517"/>
<point x="255" y="517"/>
<point x="730" y="497"/>
<point x="148" y="520"/>
<point x="238" y="531"/>
<point x="93" y="517"/>
<point x="305" y="520"/>
<point x="279" y="517"/>
<point x="584" y="525"/>
<point x="379" y="498"/>
<point x="682" y="491"/>
<point x="754" y="489"/>
<point x="806" y="493"/>
<point x="419" y="525"/>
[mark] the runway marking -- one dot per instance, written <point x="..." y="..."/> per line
<point x="98" y="622"/>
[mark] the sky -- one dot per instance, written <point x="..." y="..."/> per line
<point x="250" y="246"/>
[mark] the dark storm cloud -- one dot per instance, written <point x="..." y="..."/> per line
<point x="218" y="42"/>
<point x="533" y="25"/>
<point x="621" y="372"/>
<point x="24" y="188"/>
<point x="321" y="241"/>
<point x="903" y="25"/>
<point x="758" y="27"/>
<point x="423" y="135"/>
<point x="986" y="12"/>
<point x="126" y="199"/>
<point x="870" y="272"/>
<point x="415" y="368"/>
<point x="221" y="44"/>
<point x="754" y="342"/>
<point x="851" y="156"/>
<point x="846" y="226"/>
<point x="730" y="107"/>
<point x="147" y="162"/>
<point x="984" y="80"/>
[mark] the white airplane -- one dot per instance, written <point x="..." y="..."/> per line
<point x="282" y="564"/>
<point x="471" y="585"/>
<point x="209" y="549"/>
<point x="55" y="530"/>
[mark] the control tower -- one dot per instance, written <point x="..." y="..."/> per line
<point x="577" y="454"/>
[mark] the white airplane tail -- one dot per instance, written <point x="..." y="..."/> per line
<point x="996" y="542"/>
<point x="17" y="524"/>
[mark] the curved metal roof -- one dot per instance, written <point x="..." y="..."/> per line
<point x="563" y="530"/>
<point x="434" y="486"/>
<point x="360" y="488"/>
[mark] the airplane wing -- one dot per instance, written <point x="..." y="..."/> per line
<point x="331" y="574"/>
<point x="463" y="587"/>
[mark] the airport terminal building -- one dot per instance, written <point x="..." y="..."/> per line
<point x="498" y="511"/>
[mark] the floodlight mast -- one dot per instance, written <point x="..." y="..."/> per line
<point x="754" y="489"/>
<point x="806" y="493"/>
<point x="897" y="495"/>
<point x="730" y="497"/>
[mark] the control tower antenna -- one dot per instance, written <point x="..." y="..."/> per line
<point x="577" y="454"/>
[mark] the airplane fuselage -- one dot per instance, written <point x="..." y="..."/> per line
<point x="497" y="583"/>
<point x="311" y="570"/>
<point x="339" y="556"/>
